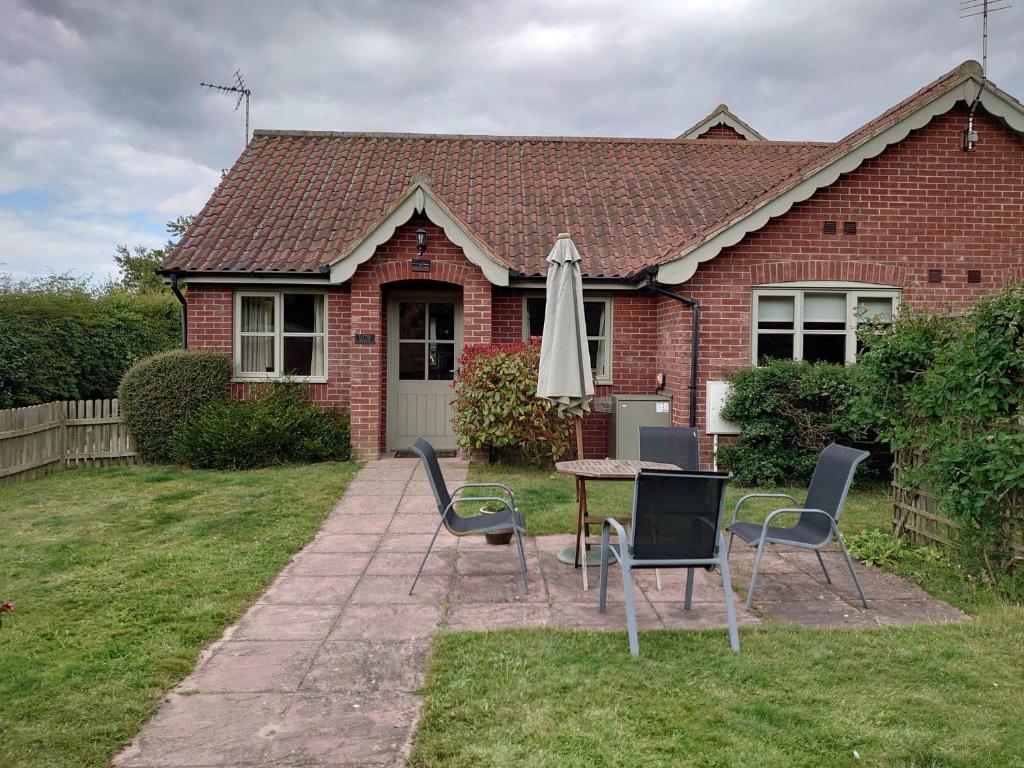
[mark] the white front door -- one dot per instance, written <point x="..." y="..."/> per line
<point x="424" y="341"/>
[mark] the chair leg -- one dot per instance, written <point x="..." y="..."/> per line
<point x="426" y="555"/>
<point x="689" y="589"/>
<point x="730" y="610"/>
<point x="522" y="557"/>
<point x="728" y="551"/>
<point x="603" y="591"/>
<point x="753" y="576"/>
<point x="627" y="587"/>
<point x="849" y="562"/>
<point x="824" y="570"/>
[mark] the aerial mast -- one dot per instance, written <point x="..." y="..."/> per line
<point x="243" y="93"/>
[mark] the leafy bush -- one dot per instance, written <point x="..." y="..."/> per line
<point x="159" y="391"/>
<point x="496" y="404"/>
<point x="277" y="426"/>
<point x="788" y="411"/>
<point x="951" y="389"/>
<point x="876" y="548"/>
<point x="59" y="341"/>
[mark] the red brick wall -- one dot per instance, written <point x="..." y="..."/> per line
<point x="922" y="204"/>
<point x="391" y="264"/>
<point x="722" y="132"/>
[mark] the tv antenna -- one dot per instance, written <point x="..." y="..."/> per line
<point x="241" y="90"/>
<point x="970" y="9"/>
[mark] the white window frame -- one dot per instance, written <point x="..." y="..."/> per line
<point x="609" y="310"/>
<point x="279" y="336"/>
<point x="854" y="293"/>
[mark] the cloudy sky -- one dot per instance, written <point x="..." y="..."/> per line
<point x="105" y="133"/>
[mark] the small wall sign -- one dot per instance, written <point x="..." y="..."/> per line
<point x="366" y="338"/>
<point x="421" y="265"/>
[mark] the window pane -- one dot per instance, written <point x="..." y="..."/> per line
<point x="825" y="349"/>
<point x="534" y="317"/>
<point x="303" y="356"/>
<point x="442" y="362"/>
<point x="774" y="346"/>
<point x="411" y="361"/>
<point x="257" y="354"/>
<point x="775" y="312"/>
<point x="871" y="309"/>
<point x="593" y="315"/>
<point x="442" y="321"/>
<point x="257" y="314"/>
<point x="411" y="319"/>
<point x="303" y="313"/>
<point x="597" y="356"/>
<point x="825" y="312"/>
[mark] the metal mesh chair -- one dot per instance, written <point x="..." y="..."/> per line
<point x="677" y="523"/>
<point x="818" y="522"/>
<point x="510" y="518"/>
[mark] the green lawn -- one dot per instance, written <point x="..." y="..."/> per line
<point x="900" y="696"/>
<point x="548" y="500"/>
<point x="118" y="578"/>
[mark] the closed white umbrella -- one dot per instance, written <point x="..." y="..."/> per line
<point x="565" y="375"/>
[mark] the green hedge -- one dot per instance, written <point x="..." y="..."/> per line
<point x="788" y="411"/>
<point x="160" y="391"/>
<point x="279" y="425"/>
<point x="72" y="345"/>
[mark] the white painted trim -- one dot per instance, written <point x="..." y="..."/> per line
<point x="267" y="282"/>
<point x="538" y="284"/>
<point x="683" y="267"/>
<point x="420" y="199"/>
<point x="847" y="285"/>
<point x="722" y="116"/>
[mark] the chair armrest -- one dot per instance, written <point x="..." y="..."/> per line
<point x="500" y="499"/>
<point x="743" y="499"/>
<point x="784" y="510"/>
<point x="503" y="487"/>
<point x="610" y="522"/>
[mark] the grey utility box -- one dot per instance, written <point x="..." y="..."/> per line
<point x="629" y="412"/>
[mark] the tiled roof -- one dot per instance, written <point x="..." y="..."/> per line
<point x="294" y="201"/>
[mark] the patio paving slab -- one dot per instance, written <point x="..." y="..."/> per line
<point x="324" y="668"/>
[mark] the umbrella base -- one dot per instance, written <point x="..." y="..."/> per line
<point x="568" y="556"/>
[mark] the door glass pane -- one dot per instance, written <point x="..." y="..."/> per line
<point x="774" y="346"/>
<point x="257" y="314"/>
<point x="442" y="321"/>
<point x="593" y="314"/>
<point x="412" y="319"/>
<point x="442" y="362"/>
<point x="303" y="313"/>
<point x="874" y="309"/>
<point x="825" y="349"/>
<point x="825" y="311"/>
<point x="257" y="354"/>
<point x="597" y="361"/>
<point x="411" y="361"/>
<point x="303" y="355"/>
<point x="775" y="312"/>
<point x="535" y="317"/>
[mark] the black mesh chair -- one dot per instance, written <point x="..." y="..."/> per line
<point x="510" y="518"/>
<point x="677" y="523"/>
<point x="818" y="522"/>
<point x="672" y="445"/>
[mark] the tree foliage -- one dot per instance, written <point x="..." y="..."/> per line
<point x="496" y="404"/>
<point x="137" y="265"/>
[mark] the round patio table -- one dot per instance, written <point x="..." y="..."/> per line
<point x="596" y="469"/>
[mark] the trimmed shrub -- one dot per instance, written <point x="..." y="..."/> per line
<point x="60" y="342"/>
<point x="278" y="425"/>
<point x="497" y="408"/>
<point x="160" y="391"/>
<point x="788" y="411"/>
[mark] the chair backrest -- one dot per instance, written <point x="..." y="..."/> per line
<point x="425" y="451"/>
<point x="830" y="484"/>
<point x="671" y="445"/>
<point x="677" y="514"/>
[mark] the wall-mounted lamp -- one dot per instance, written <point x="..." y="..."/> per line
<point x="421" y="240"/>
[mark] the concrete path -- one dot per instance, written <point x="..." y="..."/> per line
<point x="322" y="670"/>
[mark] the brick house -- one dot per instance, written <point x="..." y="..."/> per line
<point x="363" y="262"/>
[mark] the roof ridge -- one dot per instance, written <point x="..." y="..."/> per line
<point x="290" y="133"/>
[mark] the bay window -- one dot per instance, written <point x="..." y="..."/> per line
<point x="280" y="333"/>
<point x="815" y="323"/>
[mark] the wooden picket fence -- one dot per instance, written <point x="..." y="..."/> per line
<point x="40" y="439"/>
